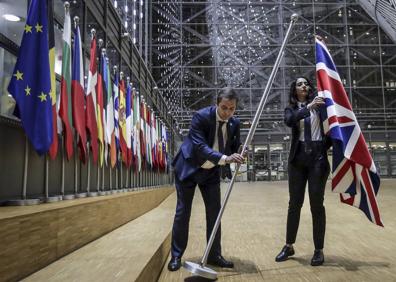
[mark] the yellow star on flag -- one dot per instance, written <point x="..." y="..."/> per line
<point x="18" y="75"/>
<point x="43" y="97"/>
<point x="27" y="90"/>
<point x="28" y="28"/>
<point x="39" y="28"/>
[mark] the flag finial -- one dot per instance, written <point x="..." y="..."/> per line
<point x="320" y="38"/>
<point x="294" y="17"/>
<point x="93" y="33"/>
<point x="76" y="21"/>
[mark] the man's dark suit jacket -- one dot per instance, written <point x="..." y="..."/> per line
<point x="292" y="117"/>
<point x="197" y="146"/>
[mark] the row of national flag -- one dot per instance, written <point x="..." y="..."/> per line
<point x="106" y="120"/>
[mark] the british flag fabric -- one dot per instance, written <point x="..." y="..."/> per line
<point x="354" y="174"/>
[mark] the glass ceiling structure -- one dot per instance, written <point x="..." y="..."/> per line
<point x="198" y="47"/>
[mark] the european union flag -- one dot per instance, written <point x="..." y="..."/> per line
<point x="30" y="83"/>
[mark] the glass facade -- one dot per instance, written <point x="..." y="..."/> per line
<point x="202" y="46"/>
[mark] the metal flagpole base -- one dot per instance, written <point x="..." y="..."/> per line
<point x="53" y="199"/>
<point x="81" y="195"/>
<point x="200" y="270"/>
<point x="26" y="202"/>
<point x="92" y="194"/>
<point x="69" y="197"/>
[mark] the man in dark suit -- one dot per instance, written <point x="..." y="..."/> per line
<point x="211" y="145"/>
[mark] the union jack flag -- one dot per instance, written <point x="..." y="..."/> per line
<point x="354" y="175"/>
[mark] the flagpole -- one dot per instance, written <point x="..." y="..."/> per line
<point x="88" y="170"/>
<point x="93" y="193"/>
<point x="76" y="193"/>
<point x="75" y="171"/>
<point x="116" y="171"/>
<point x="25" y="167"/>
<point x="119" y="130"/>
<point x="121" y="180"/>
<point x="46" y="177"/>
<point x="100" y="44"/>
<point x="47" y="198"/>
<point x="132" y="186"/>
<point x="76" y="20"/>
<point x="63" y="168"/>
<point x="201" y="269"/>
<point x="24" y="201"/>
<point x="70" y="196"/>
<point x="66" y="6"/>
<point x="110" y="179"/>
<point x="97" y="177"/>
<point x="103" y="188"/>
<point x="127" y="185"/>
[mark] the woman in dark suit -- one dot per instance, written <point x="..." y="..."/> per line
<point x="307" y="163"/>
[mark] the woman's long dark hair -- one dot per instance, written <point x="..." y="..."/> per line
<point x="293" y="95"/>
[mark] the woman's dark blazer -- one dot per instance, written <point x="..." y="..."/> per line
<point x="292" y="117"/>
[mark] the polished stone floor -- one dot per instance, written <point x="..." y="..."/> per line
<point x="254" y="225"/>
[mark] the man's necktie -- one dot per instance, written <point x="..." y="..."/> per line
<point x="220" y="137"/>
<point x="220" y="140"/>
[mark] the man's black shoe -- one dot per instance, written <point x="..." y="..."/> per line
<point x="285" y="253"/>
<point x="174" y="264"/>
<point x="220" y="261"/>
<point x="317" y="258"/>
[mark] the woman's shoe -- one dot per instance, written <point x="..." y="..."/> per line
<point x="286" y="252"/>
<point x="317" y="258"/>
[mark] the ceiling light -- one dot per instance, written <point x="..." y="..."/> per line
<point x="11" y="18"/>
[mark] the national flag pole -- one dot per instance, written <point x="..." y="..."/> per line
<point x="63" y="170"/>
<point x="47" y="198"/>
<point x="110" y="100"/>
<point x="51" y="46"/>
<point x="46" y="178"/>
<point x="116" y="127"/>
<point x="24" y="201"/>
<point x="121" y="182"/>
<point x="99" y="121"/>
<point x="132" y="129"/>
<point x="103" y="189"/>
<point x="76" y="20"/>
<point x="91" y="108"/>
<point x="128" y="166"/>
<point x="201" y="269"/>
<point x="26" y="162"/>
<point x="102" y="192"/>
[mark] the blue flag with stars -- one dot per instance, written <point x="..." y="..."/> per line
<point x="30" y="84"/>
